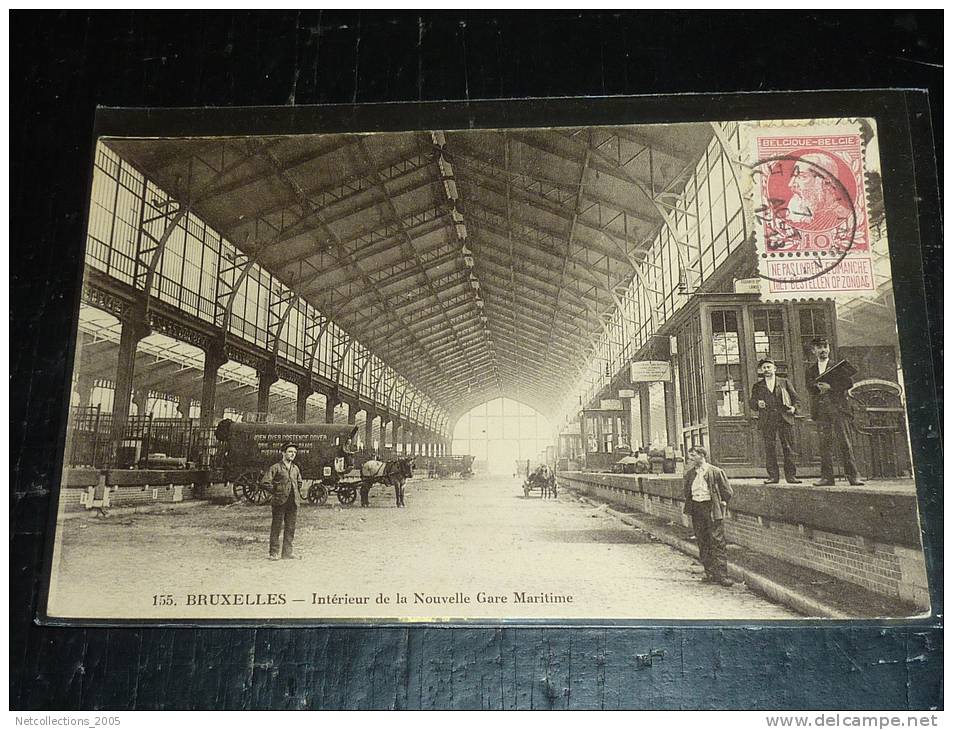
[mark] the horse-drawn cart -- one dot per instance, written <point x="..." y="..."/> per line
<point x="325" y="456"/>
<point x="541" y="480"/>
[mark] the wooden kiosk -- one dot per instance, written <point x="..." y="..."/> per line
<point x="719" y="339"/>
<point x="604" y="430"/>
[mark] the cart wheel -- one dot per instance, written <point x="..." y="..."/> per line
<point x="256" y="495"/>
<point x="250" y="489"/>
<point x="318" y="494"/>
<point x="246" y="485"/>
<point x="347" y="495"/>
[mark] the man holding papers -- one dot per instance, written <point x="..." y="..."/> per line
<point x="829" y="383"/>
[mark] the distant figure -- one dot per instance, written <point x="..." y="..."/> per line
<point x="775" y="401"/>
<point x="283" y="480"/>
<point x="642" y="463"/>
<point x="707" y="493"/>
<point x="543" y="476"/>
<point x="545" y="480"/>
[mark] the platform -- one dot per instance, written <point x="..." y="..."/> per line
<point x="868" y="535"/>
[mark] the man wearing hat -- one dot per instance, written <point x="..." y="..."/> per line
<point x="831" y="410"/>
<point x="283" y="480"/>
<point x="775" y="402"/>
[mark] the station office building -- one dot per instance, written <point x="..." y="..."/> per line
<point x="678" y="363"/>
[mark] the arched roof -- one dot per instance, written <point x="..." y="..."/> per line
<point x="477" y="263"/>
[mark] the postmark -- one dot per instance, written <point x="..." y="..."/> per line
<point x="811" y="220"/>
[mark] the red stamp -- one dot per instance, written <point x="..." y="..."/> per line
<point x="811" y="211"/>
<point x="812" y="190"/>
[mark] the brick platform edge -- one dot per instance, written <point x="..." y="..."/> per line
<point x="866" y="540"/>
<point x="760" y="584"/>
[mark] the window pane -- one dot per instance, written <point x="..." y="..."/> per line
<point x="726" y="360"/>
<point x="769" y="338"/>
<point x="813" y="324"/>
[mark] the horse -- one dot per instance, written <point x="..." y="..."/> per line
<point x="394" y="473"/>
<point x="546" y="480"/>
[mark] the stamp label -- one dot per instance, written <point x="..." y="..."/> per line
<point x="811" y="217"/>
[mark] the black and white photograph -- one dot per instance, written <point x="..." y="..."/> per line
<point x="557" y="373"/>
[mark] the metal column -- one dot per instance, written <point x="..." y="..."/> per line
<point x="301" y="404"/>
<point x="134" y="329"/>
<point x="214" y="359"/>
<point x="369" y="431"/>
<point x="266" y="378"/>
<point x="331" y="401"/>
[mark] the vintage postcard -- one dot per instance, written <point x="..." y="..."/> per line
<point x="580" y="373"/>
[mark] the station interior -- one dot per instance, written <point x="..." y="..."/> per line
<point x="568" y="297"/>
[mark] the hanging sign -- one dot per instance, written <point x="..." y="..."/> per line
<point x="651" y="371"/>
<point x="748" y="286"/>
<point x="610" y="404"/>
<point x="627" y="394"/>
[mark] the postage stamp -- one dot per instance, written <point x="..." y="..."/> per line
<point x="810" y="206"/>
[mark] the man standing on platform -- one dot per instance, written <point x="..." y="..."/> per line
<point x="707" y="492"/>
<point x="830" y="408"/>
<point x="775" y="401"/>
<point x="283" y="480"/>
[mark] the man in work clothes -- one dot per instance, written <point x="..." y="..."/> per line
<point x="775" y="401"/>
<point x="283" y="480"/>
<point x="830" y="408"/>
<point x="706" y="498"/>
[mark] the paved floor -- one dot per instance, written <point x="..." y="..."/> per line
<point x="455" y="541"/>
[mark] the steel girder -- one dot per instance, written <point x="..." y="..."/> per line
<point x="309" y="209"/>
<point x="658" y="199"/>
<point x="370" y="238"/>
<point x="549" y="195"/>
<point x="280" y="305"/>
<point x="395" y="274"/>
<point x="362" y="358"/>
<point x="340" y="346"/>
<point x="328" y="196"/>
<point x="315" y="326"/>
<point x="583" y="270"/>
<point x="287" y="165"/>
<point x="385" y="387"/>
<point x="410" y="252"/>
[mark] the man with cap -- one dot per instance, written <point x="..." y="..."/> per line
<point x="775" y="402"/>
<point x="283" y="480"/>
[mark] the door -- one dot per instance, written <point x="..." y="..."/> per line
<point x="733" y="446"/>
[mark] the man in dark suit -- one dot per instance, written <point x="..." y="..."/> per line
<point x="830" y="409"/>
<point x="283" y="479"/>
<point x="706" y="492"/>
<point x="775" y="401"/>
